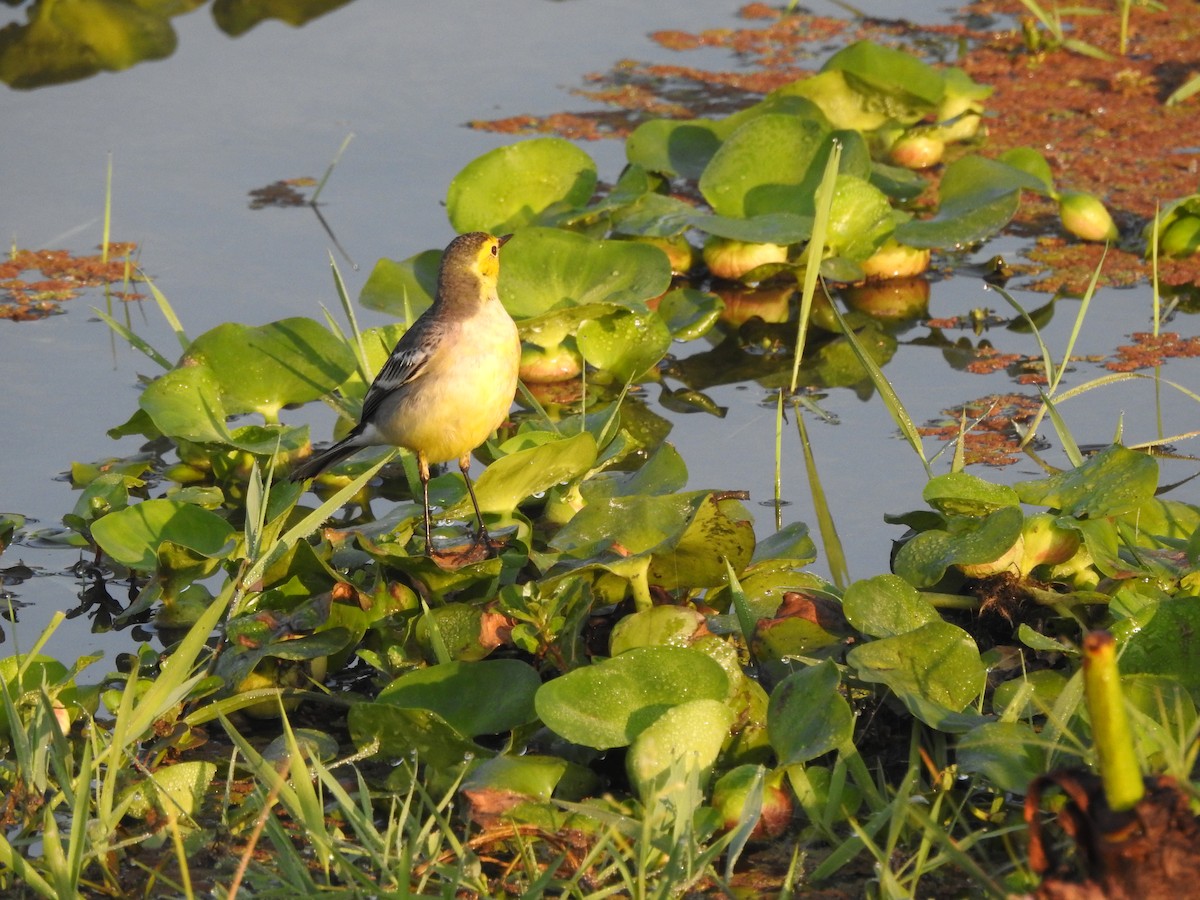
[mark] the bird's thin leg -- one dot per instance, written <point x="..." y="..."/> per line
<point x="464" y="465"/>
<point x="423" y="471"/>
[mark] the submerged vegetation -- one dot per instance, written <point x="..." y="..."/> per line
<point x="639" y="695"/>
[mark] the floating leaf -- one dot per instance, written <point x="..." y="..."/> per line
<point x="261" y="369"/>
<point x="489" y="696"/>
<point x="132" y="535"/>
<point x="935" y="670"/>
<point x="544" y="268"/>
<point x="923" y="560"/>
<point x="400" y="732"/>
<point x="626" y="344"/>
<point x="899" y="78"/>
<point x="686" y="737"/>
<point x="807" y="716"/>
<point x="1007" y="754"/>
<point x="511" y="186"/>
<point x="403" y="289"/>
<point x="1112" y="482"/>
<point x="769" y="165"/>
<point x="978" y="197"/>
<point x="517" y="476"/>
<point x="608" y="704"/>
<point x="886" y="605"/>
<point x="964" y="494"/>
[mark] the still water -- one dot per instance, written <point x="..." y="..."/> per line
<point x="191" y="135"/>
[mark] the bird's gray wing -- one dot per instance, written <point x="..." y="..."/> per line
<point x="406" y="363"/>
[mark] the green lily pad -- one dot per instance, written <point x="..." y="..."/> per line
<point x="186" y="403"/>
<point x="403" y="289"/>
<point x="659" y="626"/>
<point x="860" y="219"/>
<point x="768" y="165"/>
<point x="545" y="268"/>
<point x="923" y="560"/>
<point x="1112" y="482"/>
<point x="132" y="535"/>
<point x="517" y="476"/>
<point x="807" y="716"/>
<point x="183" y="786"/>
<point x="978" y="197"/>
<point x="261" y="369"/>
<point x="680" y="744"/>
<point x="610" y="703"/>
<point x="935" y="670"/>
<point x="689" y="313"/>
<point x="885" y="606"/>
<point x="964" y="494"/>
<point x="1007" y="754"/>
<point x="490" y="696"/>
<point x="626" y="344"/>
<point x="512" y="186"/>
<point x="400" y="732"/>
<point x="896" y="77"/>
<point x="768" y="228"/>
<point x="1165" y="641"/>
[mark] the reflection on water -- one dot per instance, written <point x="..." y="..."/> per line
<point x="67" y="40"/>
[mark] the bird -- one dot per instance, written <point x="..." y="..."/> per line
<point x="450" y="380"/>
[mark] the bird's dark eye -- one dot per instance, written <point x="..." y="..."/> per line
<point x="495" y="249"/>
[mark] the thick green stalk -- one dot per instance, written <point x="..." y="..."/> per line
<point x="1119" y="770"/>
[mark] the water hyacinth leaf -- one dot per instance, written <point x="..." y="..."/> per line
<point x="1005" y="753"/>
<point x="1031" y="162"/>
<point x="24" y="675"/>
<point x="886" y="605"/>
<point x="261" y="369"/>
<point x="923" y="560"/>
<point x="978" y="197"/>
<point x="610" y="703"/>
<point x="181" y="786"/>
<point x="1112" y="482"/>
<point x="404" y="288"/>
<point x="663" y="473"/>
<point x="510" y="187"/>
<point x="654" y="215"/>
<point x="686" y="737"/>
<point x="512" y="478"/>
<point x="719" y="530"/>
<point x="689" y="313"/>
<point x="807" y="716"/>
<point x="860" y="219"/>
<point x="675" y="147"/>
<point x="792" y="542"/>
<point x="964" y="494"/>
<point x="935" y="670"/>
<point x="132" y="535"/>
<point x="625" y="344"/>
<point x="902" y="80"/>
<point x="659" y="626"/>
<point x="768" y="228"/>
<point x="401" y="732"/>
<point x="536" y="777"/>
<point x="766" y="166"/>
<point x="490" y="696"/>
<point x="545" y="268"/>
<point x="1164" y="640"/>
<point x="186" y="404"/>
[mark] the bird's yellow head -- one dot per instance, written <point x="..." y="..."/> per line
<point x="470" y="269"/>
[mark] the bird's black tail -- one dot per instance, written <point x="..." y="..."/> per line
<point x="330" y="456"/>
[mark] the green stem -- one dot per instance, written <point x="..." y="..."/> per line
<point x="1119" y="770"/>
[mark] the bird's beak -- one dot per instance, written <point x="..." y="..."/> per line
<point x="504" y="239"/>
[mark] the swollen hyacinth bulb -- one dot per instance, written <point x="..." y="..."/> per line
<point x="730" y="259"/>
<point x="1084" y="216"/>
